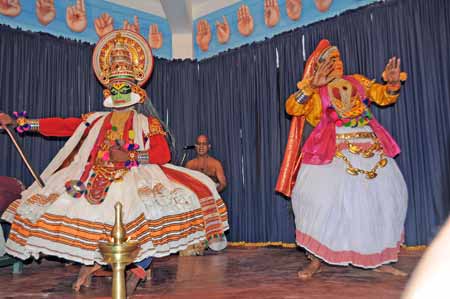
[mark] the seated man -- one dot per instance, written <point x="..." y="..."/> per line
<point x="207" y="164"/>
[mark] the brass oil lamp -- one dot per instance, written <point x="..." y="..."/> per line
<point x="119" y="252"/>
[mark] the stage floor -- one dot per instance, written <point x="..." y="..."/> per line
<point x="268" y="273"/>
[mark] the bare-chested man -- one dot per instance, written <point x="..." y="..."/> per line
<point x="207" y="164"/>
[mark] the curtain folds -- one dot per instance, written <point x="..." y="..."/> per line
<point x="237" y="98"/>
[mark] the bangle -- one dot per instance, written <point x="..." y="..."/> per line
<point x="394" y="85"/>
<point x="143" y="157"/>
<point x="34" y="124"/>
<point x="300" y="97"/>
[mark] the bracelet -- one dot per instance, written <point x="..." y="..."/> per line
<point x="394" y="85"/>
<point x="34" y="124"/>
<point x="300" y="97"/>
<point x="143" y="157"/>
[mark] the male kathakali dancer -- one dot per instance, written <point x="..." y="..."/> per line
<point x="116" y="156"/>
<point x="348" y="195"/>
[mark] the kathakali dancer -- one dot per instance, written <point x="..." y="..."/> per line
<point x="348" y="195"/>
<point x="116" y="156"/>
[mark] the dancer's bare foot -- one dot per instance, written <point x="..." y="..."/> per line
<point x="148" y="274"/>
<point x="85" y="276"/>
<point x="311" y="269"/>
<point x="390" y="270"/>
<point x="189" y="251"/>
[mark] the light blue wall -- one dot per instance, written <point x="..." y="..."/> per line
<point x="309" y="15"/>
<point x="27" y="20"/>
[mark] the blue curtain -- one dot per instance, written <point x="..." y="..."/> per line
<point x="244" y="115"/>
<point x="237" y="98"/>
<point x="174" y="93"/>
<point x="47" y="77"/>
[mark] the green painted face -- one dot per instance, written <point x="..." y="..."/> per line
<point x="121" y="93"/>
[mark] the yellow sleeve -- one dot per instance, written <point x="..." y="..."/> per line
<point x="311" y="109"/>
<point x="376" y="92"/>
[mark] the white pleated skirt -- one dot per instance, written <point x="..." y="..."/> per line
<point x="345" y="219"/>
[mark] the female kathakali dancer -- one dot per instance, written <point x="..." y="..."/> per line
<point x="348" y="195"/>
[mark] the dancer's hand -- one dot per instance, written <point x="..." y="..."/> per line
<point x="322" y="75"/>
<point x="391" y="72"/>
<point x="118" y="155"/>
<point x="5" y="119"/>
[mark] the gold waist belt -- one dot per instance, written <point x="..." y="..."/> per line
<point x="356" y="149"/>
<point x="357" y="135"/>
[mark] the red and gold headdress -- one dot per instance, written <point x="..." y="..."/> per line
<point x="123" y="57"/>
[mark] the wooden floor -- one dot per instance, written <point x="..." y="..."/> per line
<point x="268" y="273"/>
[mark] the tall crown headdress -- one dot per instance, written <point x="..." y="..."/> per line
<point x="123" y="56"/>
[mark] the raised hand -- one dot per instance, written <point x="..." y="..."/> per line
<point x="391" y="72"/>
<point x="155" y="38"/>
<point x="134" y="26"/>
<point x="245" y="21"/>
<point x="10" y="8"/>
<point x="45" y="11"/>
<point x="271" y="12"/>
<point x="323" y="5"/>
<point x="203" y="35"/>
<point x="322" y="75"/>
<point x="76" y="17"/>
<point x="223" y="31"/>
<point x="294" y="9"/>
<point x="104" y="24"/>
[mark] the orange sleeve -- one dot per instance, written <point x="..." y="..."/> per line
<point x="58" y="127"/>
<point x="376" y="92"/>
